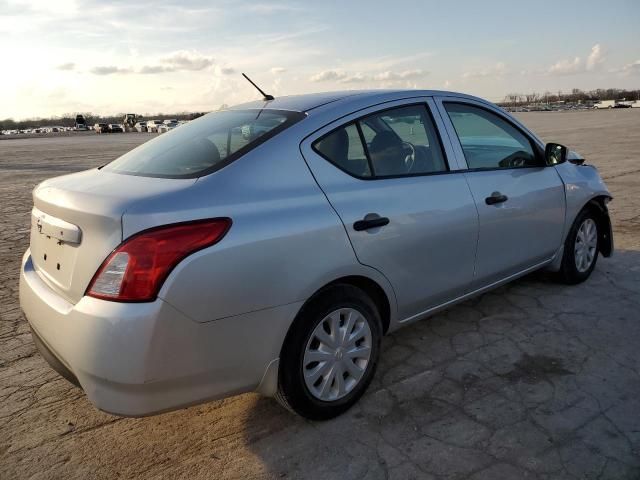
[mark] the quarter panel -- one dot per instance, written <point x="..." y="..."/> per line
<point x="284" y="244"/>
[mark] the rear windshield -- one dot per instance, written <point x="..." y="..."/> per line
<point x="203" y="145"/>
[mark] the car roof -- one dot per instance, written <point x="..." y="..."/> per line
<point x="312" y="101"/>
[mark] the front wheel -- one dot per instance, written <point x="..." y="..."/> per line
<point x="580" y="249"/>
<point x="330" y="354"/>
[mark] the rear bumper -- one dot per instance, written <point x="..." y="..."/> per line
<point x="136" y="359"/>
<point x="52" y="360"/>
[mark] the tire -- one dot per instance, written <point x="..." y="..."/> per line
<point x="574" y="270"/>
<point x="337" y="388"/>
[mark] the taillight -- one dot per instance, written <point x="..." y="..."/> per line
<point x="135" y="271"/>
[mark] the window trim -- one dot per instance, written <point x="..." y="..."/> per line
<point x="291" y="119"/>
<point x="357" y="120"/>
<point x="363" y="141"/>
<point x="534" y="145"/>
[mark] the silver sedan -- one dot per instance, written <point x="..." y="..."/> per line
<point x="270" y="246"/>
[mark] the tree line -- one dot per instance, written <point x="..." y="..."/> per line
<point x="575" y="96"/>
<point x="69" y="120"/>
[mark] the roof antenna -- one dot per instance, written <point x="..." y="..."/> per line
<point x="266" y="97"/>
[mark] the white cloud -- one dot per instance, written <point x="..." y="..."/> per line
<point x="567" y="67"/>
<point x="174" y="62"/>
<point x="65" y="67"/>
<point x="358" y="77"/>
<point x="596" y="57"/>
<point x="277" y="70"/>
<point x="498" y="70"/>
<point x="224" y="70"/>
<point x="153" y="69"/>
<point x="109" y="70"/>
<point x="184" y="60"/>
<point x="407" y="74"/>
<point x="577" y="65"/>
<point x="328" y="75"/>
<point x="269" y="8"/>
<point x="387" y="77"/>
<point x="633" y="67"/>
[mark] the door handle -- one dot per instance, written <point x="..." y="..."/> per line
<point x="496" y="197"/>
<point x="371" y="220"/>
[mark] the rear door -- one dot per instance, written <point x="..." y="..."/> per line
<point x="520" y="201"/>
<point x="404" y="203"/>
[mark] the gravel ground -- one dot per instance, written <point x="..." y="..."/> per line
<point x="533" y="380"/>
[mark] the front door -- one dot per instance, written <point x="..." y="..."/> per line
<point x="408" y="212"/>
<point x="521" y="202"/>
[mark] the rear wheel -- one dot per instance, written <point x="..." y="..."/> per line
<point x="330" y="354"/>
<point x="580" y="249"/>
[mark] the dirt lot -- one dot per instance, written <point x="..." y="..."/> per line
<point x="534" y="380"/>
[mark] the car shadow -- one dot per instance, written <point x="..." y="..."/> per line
<point x="448" y="386"/>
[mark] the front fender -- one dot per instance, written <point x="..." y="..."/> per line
<point x="585" y="188"/>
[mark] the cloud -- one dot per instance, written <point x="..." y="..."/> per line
<point x="66" y="66"/>
<point x="596" y="57"/>
<point x="498" y="70"/>
<point x="174" y="62"/>
<point x="224" y="70"/>
<point x="269" y="8"/>
<point x="184" y="60"/>
<point x="109" y="70"/>
<point x="387" y="76"/>
<point x="633" y="67"/>
<point x="567" y="67"/>
<point x="356" y="78"/>
<point x="277" y="70"/>
<point x="577" y="65"/>
<point x="152" y="69"/>
<point x="328" y="75"/>
<point x="406" y="75"/>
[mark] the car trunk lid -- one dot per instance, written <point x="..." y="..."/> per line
<point x="76" y="222"/>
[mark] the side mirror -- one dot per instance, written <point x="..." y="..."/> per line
<point x="555" y="154"/>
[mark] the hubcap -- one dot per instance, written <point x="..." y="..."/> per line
<point x="586" y="244"/>
<point x="337" y="354"/>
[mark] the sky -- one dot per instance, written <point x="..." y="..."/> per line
<point x="112" y="56"/>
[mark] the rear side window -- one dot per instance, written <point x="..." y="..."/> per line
<point x="344" y="149"/>
<point x="393" y="143"/>
<point x="203" y="145"/>
<point x="488" y="141"/>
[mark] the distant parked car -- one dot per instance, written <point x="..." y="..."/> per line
<point x="604" y="104"/>
<point x="204" y="263"/>
<point x="152" y="125"/>
<point x="165" y="127"/>
<point x="101" y="128"/>
<point x="115" y="128"/>
<point x="140" y="127"/>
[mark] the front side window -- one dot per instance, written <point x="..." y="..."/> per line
<point x="203" y="145"/>
<point x="396" y="142"/>
<point x="488" y="141"/>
